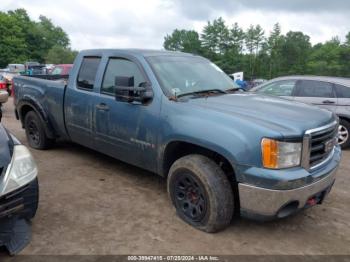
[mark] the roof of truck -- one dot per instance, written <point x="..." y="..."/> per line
<point x="142" y="52"/>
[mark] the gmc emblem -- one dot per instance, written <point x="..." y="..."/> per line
<point x="328" y="145"/>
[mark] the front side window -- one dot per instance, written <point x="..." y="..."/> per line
<point x="120" y="67"/>
<point x="186" y="74"/>
<point x="280" y="88"/>
<point x="310" y="88"/>
<point x="87" y="72"/>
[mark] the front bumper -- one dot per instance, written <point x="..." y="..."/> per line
<point x="16" y="209"/>
<point x="264" y="203"/>
<point x="21" y="203"/>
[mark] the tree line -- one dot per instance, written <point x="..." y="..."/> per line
<point x="260" y="55"/>
<point x="22" y="39"/>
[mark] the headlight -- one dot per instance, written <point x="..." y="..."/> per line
<point x="277" y="154"/>
<point x="21" y="171"/>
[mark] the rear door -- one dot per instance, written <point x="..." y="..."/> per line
<point x="318" y="93"/>
<point x="79" y="102"/>
<point x="343" y="95"/>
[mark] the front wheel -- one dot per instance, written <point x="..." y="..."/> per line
<point x="201" y="193"/>
<point x="343" y="133"/>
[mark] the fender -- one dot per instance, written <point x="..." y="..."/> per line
<point x="209" y="146"/>
<point x="28" y="100"/>
<point x="346" y="117"/>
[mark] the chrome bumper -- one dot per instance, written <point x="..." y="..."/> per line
<point x="267" y="203"/>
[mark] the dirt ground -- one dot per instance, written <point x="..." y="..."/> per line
<point x="93" y="204"/>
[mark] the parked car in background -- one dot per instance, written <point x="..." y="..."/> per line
<point x="3" y="99"/>
<point x="257" y="82"/>
<point x="3" y="96"/>
<point x="48" y="68"/>
<point x="18" y="193"/>
<point x="30" y="63"/>
<point x="7" y="78"/>
<point x="332" y="93"/>
<point x="16" y="68"/>
<point x="62" y="69"/>
<point x="180" y="116"/>
<point x="36" y="70"/>
<point x="3" y="83"/>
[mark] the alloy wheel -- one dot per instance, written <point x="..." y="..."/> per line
<point x="190" y="197"/>
<point x="343" y="134"/>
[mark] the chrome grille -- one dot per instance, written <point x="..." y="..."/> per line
<point x="319" y="144"/>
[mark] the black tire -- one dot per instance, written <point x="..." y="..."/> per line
<point x="205" y="200"/>
<point x="344" y="127"/>
<point x="35" y="132"/>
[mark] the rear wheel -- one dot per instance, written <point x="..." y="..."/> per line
<point x="343" y="133"/>
<point x="201" y="193"/>
<point x="35" y="132"/>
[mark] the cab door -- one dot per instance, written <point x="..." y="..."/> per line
<point x="317" y="93"/>
<point x="126" y="130"/>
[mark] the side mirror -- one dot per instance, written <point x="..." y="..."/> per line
<point x="124" y="88"/>
<point x="126" y="92"/>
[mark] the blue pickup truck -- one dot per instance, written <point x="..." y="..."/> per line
<point x="223" y="152"/>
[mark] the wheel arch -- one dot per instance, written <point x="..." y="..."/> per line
<point x="344" y="117"/>
<point x="27" y="105"/>
<point x="177" y="149"/>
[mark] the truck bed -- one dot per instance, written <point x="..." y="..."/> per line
<point x="48" y="95"/>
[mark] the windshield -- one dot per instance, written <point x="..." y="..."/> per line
<point x="180" y="75"/>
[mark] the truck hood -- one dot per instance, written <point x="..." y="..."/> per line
<point x="289" y="118"/>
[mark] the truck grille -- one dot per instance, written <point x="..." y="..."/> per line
<point x="322" y="142"/>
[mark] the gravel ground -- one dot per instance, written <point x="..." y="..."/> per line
<point x="93" y="204"/>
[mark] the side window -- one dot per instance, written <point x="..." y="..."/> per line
<point x="87" y="72"/>
<point x="120" y="67"/>
<point x="342" y="91"/>
<point x="279" y="88"/>
<point x="310" y="88"/>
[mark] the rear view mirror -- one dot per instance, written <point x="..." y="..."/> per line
<point x="126" y="92"/>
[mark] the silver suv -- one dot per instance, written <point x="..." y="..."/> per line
<point x="332" y="93"/>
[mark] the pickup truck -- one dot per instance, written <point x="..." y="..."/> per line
<point x="224" y="152"/>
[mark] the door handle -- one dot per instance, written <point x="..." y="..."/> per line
<point x="328" y="102"/>
<point x="102" y="106"/>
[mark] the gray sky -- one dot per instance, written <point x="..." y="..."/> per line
<point x="143" y="24"/>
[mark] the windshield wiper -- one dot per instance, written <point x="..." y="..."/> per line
<point x="233" y="89"/>
<point x="208" y="91"/>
